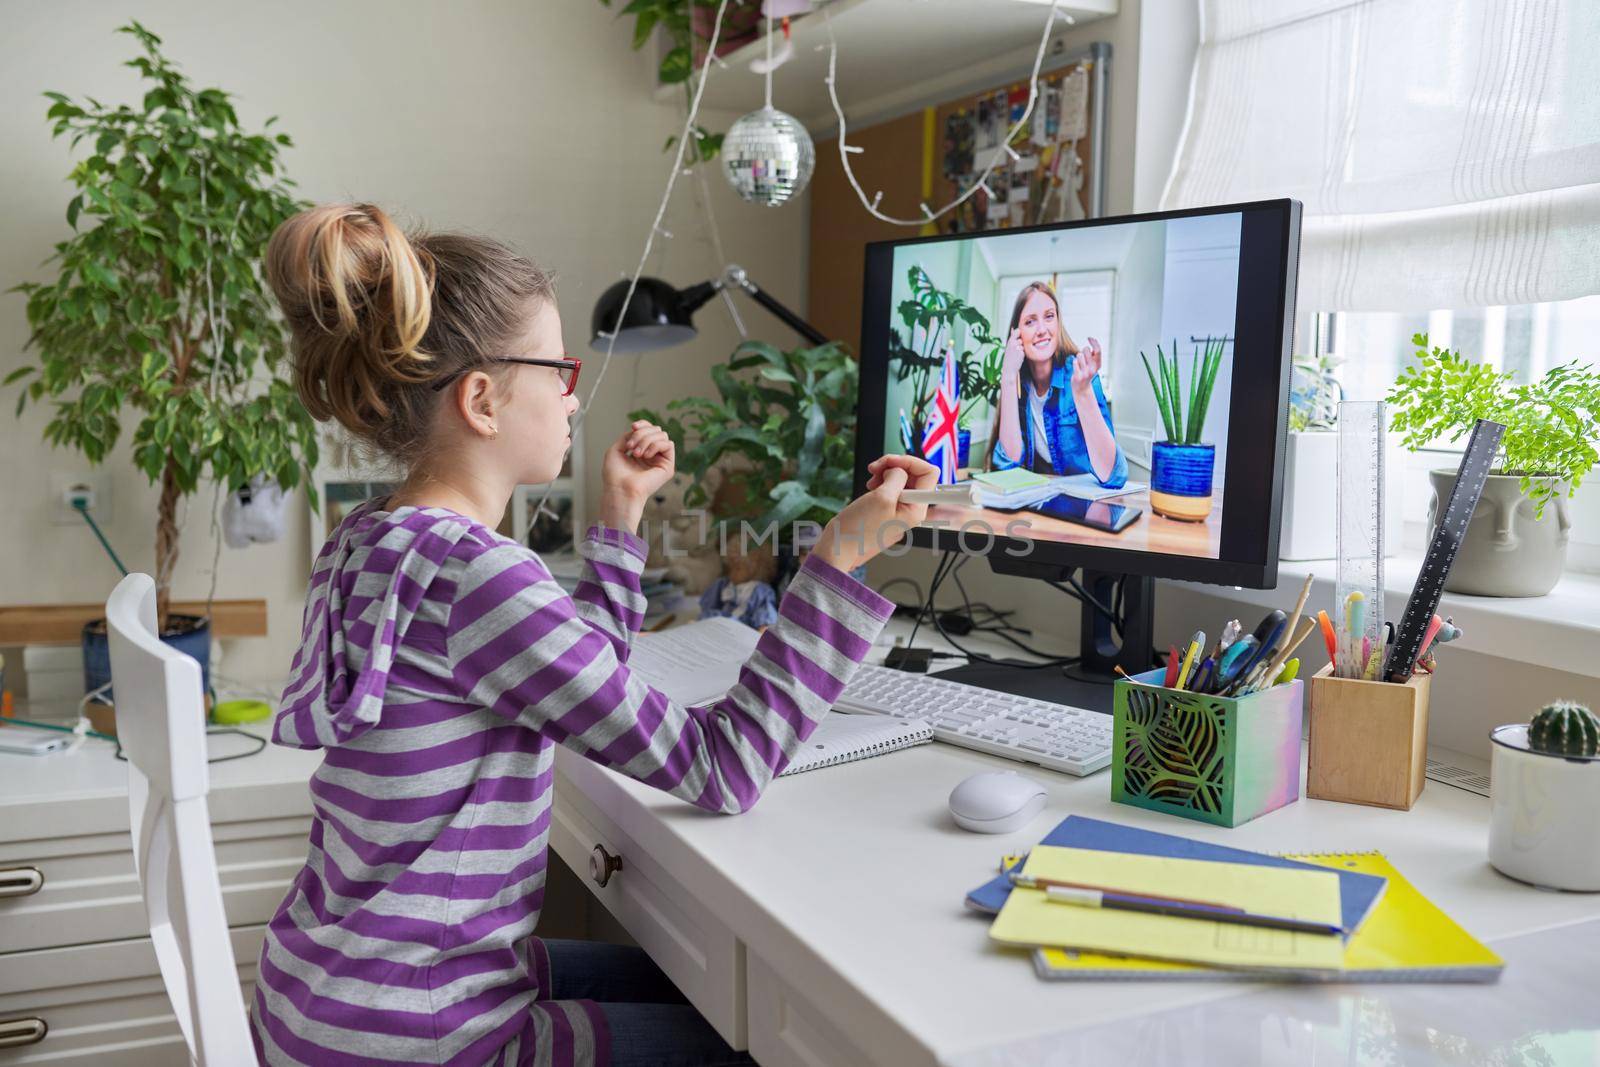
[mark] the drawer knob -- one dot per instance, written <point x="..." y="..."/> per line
<point x="20" y="881"/>
<point x="15" y="1033"/>
<point x="602" y="865"/>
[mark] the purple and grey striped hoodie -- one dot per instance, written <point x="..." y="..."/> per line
<point x="440" y="664"/>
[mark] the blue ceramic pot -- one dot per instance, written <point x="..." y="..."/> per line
<point x="1180" y="480"/>
<point x="963" y="448"/>
<point x="194" y="642"/>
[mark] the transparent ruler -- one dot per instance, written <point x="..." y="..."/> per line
<point x="1450" y="526"/>
<point x="1358" y="591"/>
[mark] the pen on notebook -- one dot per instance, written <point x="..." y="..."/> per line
<point x="1089" y="897"/>
<point x="1031" y="881"/>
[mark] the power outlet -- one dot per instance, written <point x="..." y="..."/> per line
<point x="94" y="489"/>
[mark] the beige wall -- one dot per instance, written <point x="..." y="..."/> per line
<point x="526" y="119"/>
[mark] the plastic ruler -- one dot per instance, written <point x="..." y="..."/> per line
<point x="1360" y="517"/>
<point x="1450" y="526"/>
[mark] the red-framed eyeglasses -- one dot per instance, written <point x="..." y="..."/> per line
<point x="569" y="366"/>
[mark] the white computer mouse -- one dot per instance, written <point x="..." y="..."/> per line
<point x="996" y="802"/>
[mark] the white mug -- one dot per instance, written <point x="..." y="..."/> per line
<point x="1542" y="825"/>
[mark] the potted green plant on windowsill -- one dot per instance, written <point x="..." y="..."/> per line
<point x="1309" y="463"/>
<point x="157" y="314"/>
<point x="1516" y="543"/>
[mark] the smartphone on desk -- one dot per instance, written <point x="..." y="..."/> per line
<point x="30" y="740"/>
<point x="1098" y="514"/>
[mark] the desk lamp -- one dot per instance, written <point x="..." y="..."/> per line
<point x="660" y="316"/>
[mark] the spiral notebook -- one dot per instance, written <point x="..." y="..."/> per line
<point x="844" y="738"/>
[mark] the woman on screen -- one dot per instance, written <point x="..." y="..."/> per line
<point x="1053" y="416"/>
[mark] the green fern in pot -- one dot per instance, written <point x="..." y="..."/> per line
<point x="1516" y="544"/>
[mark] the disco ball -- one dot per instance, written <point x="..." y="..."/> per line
<point x="768" y="156"/>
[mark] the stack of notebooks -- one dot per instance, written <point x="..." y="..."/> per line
<point x="1018" y="488"/>
<point x="1098" y="900"/>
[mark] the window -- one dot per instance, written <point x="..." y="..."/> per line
<point x="1523" y="339"/>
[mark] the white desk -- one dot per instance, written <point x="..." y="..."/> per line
<point x="825" y="927"/>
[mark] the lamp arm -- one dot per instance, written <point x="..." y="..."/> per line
<point x="735" y="277"/>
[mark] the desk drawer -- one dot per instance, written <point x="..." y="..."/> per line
<point x="87" y="890"/>
<point x="701" y="955"/>
<point x="120" y="1015"/>
<point x="786" y="1031"/>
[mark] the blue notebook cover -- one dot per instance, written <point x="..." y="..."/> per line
<point x="1357" y="892"/>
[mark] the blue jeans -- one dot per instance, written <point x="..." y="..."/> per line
<point x="651" y="1024"/>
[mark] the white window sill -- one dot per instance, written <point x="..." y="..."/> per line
<point x="1560" y="630"/>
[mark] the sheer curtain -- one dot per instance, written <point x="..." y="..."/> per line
<point x="1447" y="151"/>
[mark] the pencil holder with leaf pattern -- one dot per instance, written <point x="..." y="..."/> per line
<point x="1222" y="760"/>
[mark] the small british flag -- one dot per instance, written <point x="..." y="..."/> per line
<point x="940" y="439"/>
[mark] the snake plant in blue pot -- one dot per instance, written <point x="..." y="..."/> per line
<point x="1183" y="466"/>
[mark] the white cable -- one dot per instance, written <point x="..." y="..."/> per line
<point x="769" y="61"/>
<point x="1002" y="152"/>
<point x="650" y="238"/>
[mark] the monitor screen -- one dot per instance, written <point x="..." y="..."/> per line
<point x="1110" y="393"/>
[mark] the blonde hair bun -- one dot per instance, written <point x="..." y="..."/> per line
<point x="376" y="315"/>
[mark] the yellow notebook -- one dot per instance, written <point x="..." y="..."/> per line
<point x="1405" y="939"/>
<point x="1028" y="918"/>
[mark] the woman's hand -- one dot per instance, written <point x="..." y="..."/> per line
<point x="635" y="466"/>
<point x="1085" y="366"/>
<point x="877" y="518"/>
<point x="1011" y="360"/>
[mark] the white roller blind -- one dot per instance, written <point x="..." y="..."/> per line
<point x="1447" y="151"/>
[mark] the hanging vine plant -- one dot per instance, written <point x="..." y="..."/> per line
<point x="688" y="26"/>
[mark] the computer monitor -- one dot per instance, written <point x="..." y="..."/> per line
<point x="1114" y="392"/>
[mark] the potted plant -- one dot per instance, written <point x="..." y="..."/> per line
<point x="1310" y="459"/>
<point x="1545" y="787"/>
<point x="687" y="26"/>
<point x="1516" y="543"/>
<point x="1183" y="466"/>
<point x="157" y="313"/>
<point x="776" y="447"/>
<point x="931" y="316"/>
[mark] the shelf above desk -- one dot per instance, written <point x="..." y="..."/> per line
<point x="1560" y="631"/>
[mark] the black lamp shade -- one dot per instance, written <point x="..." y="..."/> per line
<point x="658" y="317"/>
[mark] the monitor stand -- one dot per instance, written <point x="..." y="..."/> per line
<point x="1088" y="683"/>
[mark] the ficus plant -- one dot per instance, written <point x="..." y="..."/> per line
<point x="780" y="432"/>
<point x="157" y="315"/>
<point x="1552" y="424"/>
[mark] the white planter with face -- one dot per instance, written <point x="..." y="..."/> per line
<point x="1543" y="825"/>
<point x="1506" y="551"/>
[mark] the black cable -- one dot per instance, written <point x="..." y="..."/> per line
<point x="261" y="745"/>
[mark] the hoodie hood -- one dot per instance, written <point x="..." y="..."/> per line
<point x="366" y="587"/>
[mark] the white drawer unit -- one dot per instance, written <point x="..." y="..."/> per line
<point x="96" y="1005"/>
<point x="685" y="939"/>
<point x="79" y="890"/>
<point x="79" y="986"/>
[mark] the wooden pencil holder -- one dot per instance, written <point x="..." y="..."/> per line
<point x="1369" y="740"/>
<point x="1222" y="760"/>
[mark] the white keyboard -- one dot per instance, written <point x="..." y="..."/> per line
<point x="1055" y="736"/>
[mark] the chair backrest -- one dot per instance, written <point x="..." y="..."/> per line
<point x="161" y="726"/>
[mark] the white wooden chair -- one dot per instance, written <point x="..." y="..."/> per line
<point x="161" y="725"/>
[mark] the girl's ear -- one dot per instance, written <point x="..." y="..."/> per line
<point x="475" y="403"/>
